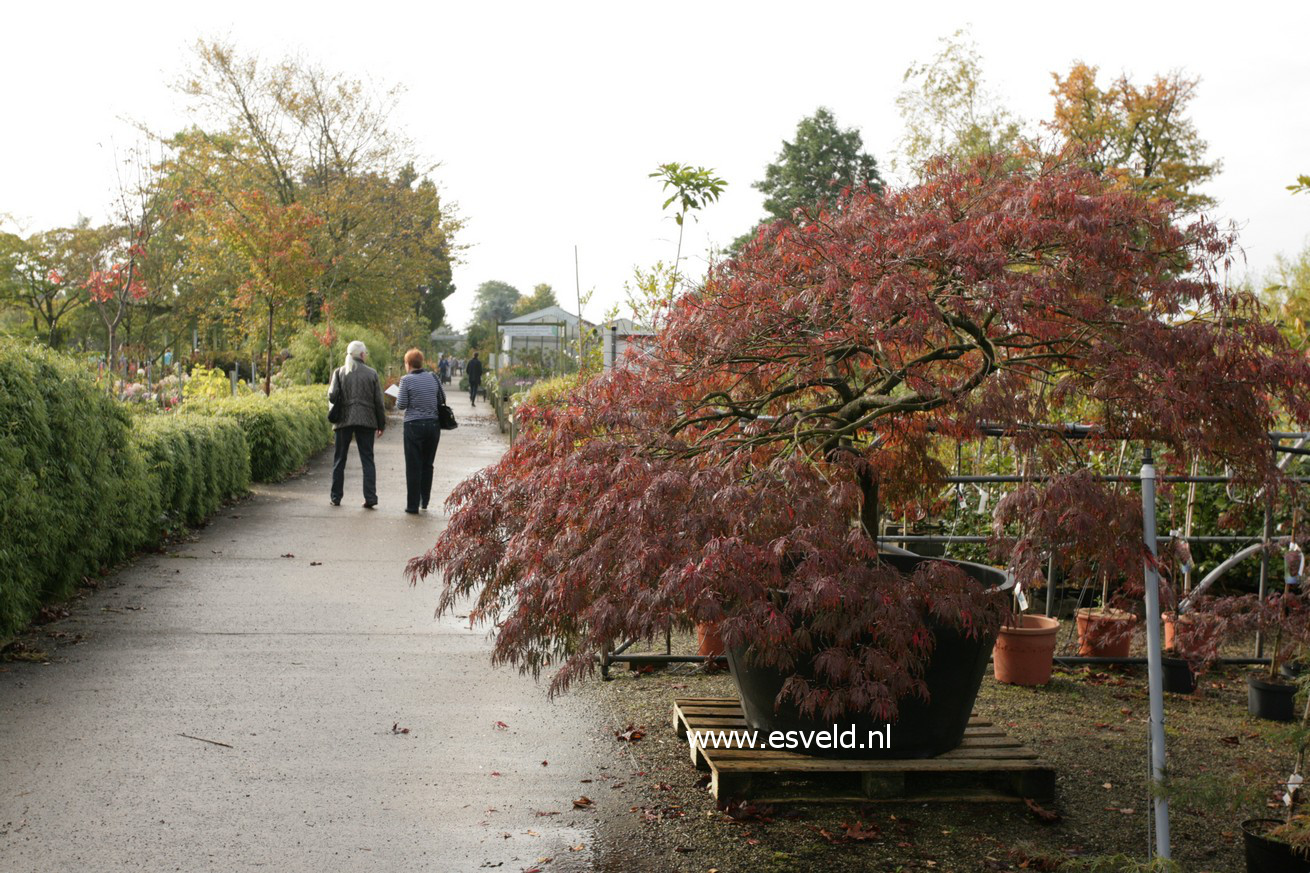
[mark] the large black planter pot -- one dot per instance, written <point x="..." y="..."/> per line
<point x="1272" y="700"/>
<point x="1178" y="676"/>
<point x="1264" y="855"/>
<point x="922" y="729"/>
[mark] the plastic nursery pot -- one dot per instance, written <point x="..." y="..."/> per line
<point x="1270" y="700"/>
<point x="1178" y="676"/>
<point x="1105" y="633"/>
<point x="709" y="643"/>
<point x="1023" y="653"/>
<point x="1264" y="855"/>
<point x="923" y="728"/>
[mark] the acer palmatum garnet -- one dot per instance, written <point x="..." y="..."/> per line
<point x="736" y="474"/>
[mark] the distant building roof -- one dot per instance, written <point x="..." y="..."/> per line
<point x="550" y="313"/>
<point x="627" y="327"/>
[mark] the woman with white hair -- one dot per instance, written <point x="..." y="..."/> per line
<point x="355" y="386"/>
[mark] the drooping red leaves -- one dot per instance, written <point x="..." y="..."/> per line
<point x="720" y="480"/>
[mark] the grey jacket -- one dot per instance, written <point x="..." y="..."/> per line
<point x="362" y="396"/>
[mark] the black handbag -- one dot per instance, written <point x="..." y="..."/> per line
<point x="446" y="417"/>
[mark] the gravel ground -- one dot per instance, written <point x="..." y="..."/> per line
<point x="656" y="814"/>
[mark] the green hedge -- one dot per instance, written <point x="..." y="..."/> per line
<point x="85" y="484"/>
<point x="282" y="431"/>
<point x="76" y="493"/>
<point x="196" y="462"/>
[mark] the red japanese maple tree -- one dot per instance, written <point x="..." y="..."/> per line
<point x="736" y="474"/>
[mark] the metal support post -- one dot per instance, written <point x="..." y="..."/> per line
<point x="1154" y="670"/>
<point x="1264" y="568"/>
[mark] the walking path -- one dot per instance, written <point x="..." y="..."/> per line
<point x="286" y="631"/>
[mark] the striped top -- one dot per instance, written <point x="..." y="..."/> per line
<point x="420" y="395"/>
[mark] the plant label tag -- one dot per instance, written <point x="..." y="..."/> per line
<point x="1021" y="597"/>
<point x="1293" y="783"/>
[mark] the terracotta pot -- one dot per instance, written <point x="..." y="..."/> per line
<point x="709" y="643"/>
<point x="1105" y="633"/>
<point x="1192" y="634"/>
<point x="1023" y="654"/>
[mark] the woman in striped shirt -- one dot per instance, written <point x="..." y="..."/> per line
<point x="421" y="395"/>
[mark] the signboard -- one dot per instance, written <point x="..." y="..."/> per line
<point x="526" y="330"/>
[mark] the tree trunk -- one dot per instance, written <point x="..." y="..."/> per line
<point x="268" y="368"/>
<point x="869" y="506"/>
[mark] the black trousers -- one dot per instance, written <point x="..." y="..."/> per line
<point x="363" y="437"/>
<point x="421" y="439"/>
<point x="473" y="390"/>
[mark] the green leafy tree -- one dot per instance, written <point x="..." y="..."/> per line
<point x="821" y="161"/>
<point x="948" y="110"/>
<point x="496" y="301"/>
<point x="541" y="297"/>
<point x="1287" y="289"/>
<point x="1138" y="135"/>
<point x="45" y="274"/>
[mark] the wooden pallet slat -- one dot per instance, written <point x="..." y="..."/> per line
<point x="987" y="766"/>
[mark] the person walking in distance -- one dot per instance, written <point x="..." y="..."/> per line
<point x="355" y="386"/>
<point x="421" y="395"/>
<point x="443" y="366"/>
<point x="474" y="370"/>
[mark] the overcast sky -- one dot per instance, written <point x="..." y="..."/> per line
<point x="547" y="117"/>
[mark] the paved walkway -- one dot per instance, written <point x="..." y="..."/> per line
<point x="286" y="630"/>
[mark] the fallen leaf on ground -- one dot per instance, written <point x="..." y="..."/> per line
<point x="495" y="772"/>
<point x="500" y="726"/>
<point x="1043" y="815"/>
<point x="316" y="563"/>
<point x="288" y="555"/>
<point x="860" y="832"/>
<point x="630" y="734"/>
<point x="583" y="802"/>
<point x="397" y="729"/>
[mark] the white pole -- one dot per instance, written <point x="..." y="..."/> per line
<point x="1154" y="670"/>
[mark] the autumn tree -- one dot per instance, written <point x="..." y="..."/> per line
<point x="272" y="240"/>
<point x="541" y="297"/>
<point x="308" y="136"/>
<point x="947" y="108"/>
<point x="1140" y="136"/>
<point x="740" y="474"/>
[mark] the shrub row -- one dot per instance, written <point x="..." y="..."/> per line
<point x="282" y="432"/>
<point x="84" y="484"/>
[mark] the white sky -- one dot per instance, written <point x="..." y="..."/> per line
<point x="547" y="117"/>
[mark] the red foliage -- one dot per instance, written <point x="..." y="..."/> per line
<point x="812" y="377"/>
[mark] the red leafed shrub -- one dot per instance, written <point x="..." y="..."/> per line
<point x="737" y="474"/>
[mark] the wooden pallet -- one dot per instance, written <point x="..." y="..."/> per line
<point x="987" y="766"/>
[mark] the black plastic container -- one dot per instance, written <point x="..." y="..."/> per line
<point x="1274" y="701"/>
<point x="1264" y="855"/>
<point x="922" y="729"/>
<point x="1178" y="676"/>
